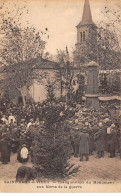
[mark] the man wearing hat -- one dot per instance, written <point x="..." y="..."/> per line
<point x="113" y="140"/>
<point x="100" y="138"/>
<point x="84" y="144"/>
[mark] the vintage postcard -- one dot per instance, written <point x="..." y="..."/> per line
<point x="60" y="96"/>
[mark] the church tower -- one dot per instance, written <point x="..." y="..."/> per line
<point x="87" y="35"/>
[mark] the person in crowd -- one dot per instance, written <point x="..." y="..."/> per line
<point x="62" y="116"/>
<point x="76" y="142"/>
<point x="30" y="123"/>
<point x="22" y="138"/>
<point x="18" y="153"/>
<point x="37" y="122"/>
<point x="4" y="119"/>
<point x="14" y="138"/>
<point x="72" y="143"/>
<point x="120" y="145"/>
<point x="84" y="144"/>
<point x="25" y="174"/>
<point x="5" y="129"/>
<point x="5" y="149"/>
<point x="24" y="154"/>
<point x="105" y="128"/>
<point x="11" y="119"/>
<point x="1" y="114"/>
<point x="113" y="142"/>
<point x="1" y="130"/>
<point x="109" y="127"/>
<point x="100" y="138"/>
<point x="91" y="143"/>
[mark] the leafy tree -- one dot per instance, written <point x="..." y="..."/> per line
<point x="108" y="49"/>
<point x="19" y="48"/>
<point x="61" y="57"/>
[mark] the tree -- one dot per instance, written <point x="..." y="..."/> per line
<point x="108" y="49"/>
<point x="61" y="57"/>
<point x="112" y="17"/>
<point x="20" y="45"/>
<point x="50" y="153"/>
<point x="19" y="48"/>
<point x="110" y="36"/>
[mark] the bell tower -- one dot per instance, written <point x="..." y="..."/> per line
<point x="87" y="35"/>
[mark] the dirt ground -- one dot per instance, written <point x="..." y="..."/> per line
<point x="95" y="169"/>
<point x="8" y="171"/>
<point x="103" y="169"/>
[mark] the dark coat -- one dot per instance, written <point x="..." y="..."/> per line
<point x="24" y="174"/>
<point x="5" y="150"/>
<point x="100" y="139"/>
<point x="113" y="140"/>
<point x="1" y="130"/>
<point x="91" y="142"/>
<point x="94" y="129"/>
<point x="76" y="139"/>
<point x="84" y="143"/>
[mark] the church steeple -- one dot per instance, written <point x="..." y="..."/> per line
<point x="87" y="34"/>
<point x="87" y="16"/>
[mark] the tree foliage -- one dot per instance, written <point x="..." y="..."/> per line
<point x="19" y="48"/>
<point x="51" y="146"/>
<point x="20" y="45"/>
<point x="106" y="49"/>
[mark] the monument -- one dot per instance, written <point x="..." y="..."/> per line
<point x="92" y="90"/>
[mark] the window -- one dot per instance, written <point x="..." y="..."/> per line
<point x="83" y="36"/>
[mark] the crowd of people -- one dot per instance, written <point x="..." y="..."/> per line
<point x="90" y="130"/>
<point x="18" y="126"/>
<point x="95" y="131"/>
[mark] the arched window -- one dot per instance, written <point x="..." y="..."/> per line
<point x="83" y="36"/>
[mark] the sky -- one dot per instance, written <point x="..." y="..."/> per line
<point x="60" y="17"/>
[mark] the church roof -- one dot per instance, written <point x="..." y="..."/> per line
<point x="87" y="16"/>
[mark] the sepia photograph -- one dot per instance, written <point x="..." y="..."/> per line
<point x="60" y="96"/>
